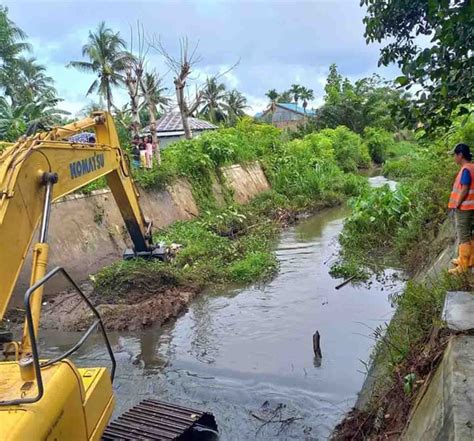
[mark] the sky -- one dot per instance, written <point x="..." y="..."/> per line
<point x="277" y="42"/>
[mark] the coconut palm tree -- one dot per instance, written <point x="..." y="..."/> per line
<point x="272" y="95"/>
<point x="15" y="120"/>
<point x="285" y="97"/>
<point x="213" y="97"/>
<point x="12" y="120"/>
<point x="155" y="99"/>
<point x="306" y="95"/>
<point x="234" y="105"/>
<point x="11" y="46"/>
<point x="11" y="38"/>
<point x="107" y="59"/>
<point x="155" y="92"/>
<point x="32" y="79"/>
<point x="295" y="90"/>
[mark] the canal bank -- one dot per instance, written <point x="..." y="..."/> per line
<point x="246" y="353"/>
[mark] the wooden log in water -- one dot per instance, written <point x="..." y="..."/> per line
<point x="345" y="282"/>
<point x="317" y="345"/>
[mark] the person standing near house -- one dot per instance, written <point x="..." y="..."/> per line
<point x="462" y="202"/>
<point x="142" y="148"/>
<point x="136" y="151"/>
<point x="135" y="156"/>
<point x="149" y="152"/>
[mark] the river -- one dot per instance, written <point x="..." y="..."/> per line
<point x="246" y="354"/>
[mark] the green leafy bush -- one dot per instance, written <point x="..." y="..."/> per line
<point x="350" y="151"/>
<point x="378" y="142"/>
<point x="400" y="149"/>
<point x="376" y="215"/>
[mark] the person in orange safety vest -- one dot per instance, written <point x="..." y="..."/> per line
<point x="462" y="202"/>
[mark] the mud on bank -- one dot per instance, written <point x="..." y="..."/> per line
<point x="139" y="309"/>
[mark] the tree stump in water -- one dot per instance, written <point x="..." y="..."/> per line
<point x="317" y="349"/>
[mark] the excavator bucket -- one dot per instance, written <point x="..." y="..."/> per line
<point x="158" y="420"/>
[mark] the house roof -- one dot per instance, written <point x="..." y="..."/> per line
<point x="295" y="108"/>
<point x="171" y="122"/>
<point x="292" y="107"/>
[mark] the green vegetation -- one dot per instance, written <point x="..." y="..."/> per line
<point x="399" y="228"/>
<point x="234" y="243"/>
<point x="379" y="143"/>
<point x="407" y="351"/>
<point x="365" y="103"/>
<point x="386" y="224"/>
<point x="28" y="94"/>
<point x="441" y="64"/>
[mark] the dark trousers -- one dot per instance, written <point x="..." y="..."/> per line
<point x="464" y="222"/>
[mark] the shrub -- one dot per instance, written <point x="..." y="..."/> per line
<point x="378" y="142"/>
<point x="376" y="215"/>
<point x="400" y="149"/>
<point x="349" y="150"/>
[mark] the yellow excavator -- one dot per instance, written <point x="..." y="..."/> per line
<point x="54" y="399"/>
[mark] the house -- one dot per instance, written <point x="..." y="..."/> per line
<point x="169" y="128"/>
<point x="285" y="115"/>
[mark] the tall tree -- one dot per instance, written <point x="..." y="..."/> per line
<point x="285" y="97"/>
<point x="234" y="105"/>
<point x="12" y="45"/>
<point x="32" y="80"/>
<point x="182" y="68"/>
<point x="213" y="97"/>
<point x="295" y="90"/>
<point x="443" y="67"/>
<point x="333" y="87"/>
<point x="134" y="71"/>
<point x="12" y="38"/>
<point x="367" y="102"/>
<point x="272" y="95"/>
<point x="107" y="59"/>
<point x="306" y="95"/>
<point x="155" y="98"/>
<point x="29" y="96"/>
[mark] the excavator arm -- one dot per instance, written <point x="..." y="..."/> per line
<point x="28" y="167"/>
<point x="53" y="399"/>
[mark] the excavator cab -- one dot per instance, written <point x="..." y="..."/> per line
<point x="53" y="399"/>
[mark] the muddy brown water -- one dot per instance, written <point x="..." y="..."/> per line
<point x="246" y="354"/>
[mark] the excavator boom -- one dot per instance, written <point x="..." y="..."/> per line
<point x="22" y="166"/>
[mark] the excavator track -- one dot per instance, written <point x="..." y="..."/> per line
<point x="158" y="420"/>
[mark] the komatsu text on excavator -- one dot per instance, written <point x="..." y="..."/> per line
<point x="53" y="399"/>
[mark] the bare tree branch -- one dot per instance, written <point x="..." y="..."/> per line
<point x="182" y="68"/>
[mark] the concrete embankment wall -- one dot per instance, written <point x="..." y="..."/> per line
<point x="87" y="231"/>
<point x="444" y="407"/>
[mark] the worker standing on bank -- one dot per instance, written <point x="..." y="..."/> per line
<point x="462" y="202"/>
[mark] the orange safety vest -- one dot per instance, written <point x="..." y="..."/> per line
<point x="468" y="203"/>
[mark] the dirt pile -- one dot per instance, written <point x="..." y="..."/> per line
<point x="66" y="311"/>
